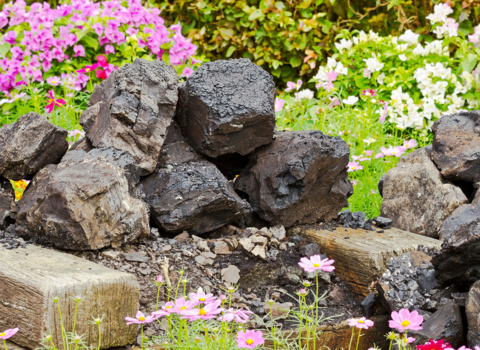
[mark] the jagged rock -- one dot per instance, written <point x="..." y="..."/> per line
<point x="382" y="222"/>
<point x="28" y="145"/>
<point x="416" y="197"/>
<point x="459" y="259"/>
<point x="299" y="178"/>
<point x="188" y="193"/>
<point x="310" y="250"/>
<point x="456" y="146"/>
<point x="132" y="109"/>
<point x="446" y="324"/>
<point x="7" y="203"/>
<point x="83" y="144"/>
<point x="368" y="303"/>
<point x="231" y="274"/>
<point x="88" y="201"/>
<point x="227" y="107"/>
<point x="472" y="309"/>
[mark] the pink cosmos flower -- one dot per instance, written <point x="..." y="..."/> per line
<point x="109" y="49"/>
<point x="206" y="312"/>
<point x="88" y="68"/>
<point x="359" y="158"/>
<point x="140" y="319"/>
<point x="52" y="102"/>
<point x="368" y="153"/>
<point x="354" y="182"/>
<point x="410" y="144"/>
<point x="79" y="51"/>
<point x="463" y="348"/>
<point x="354" y="166"/>
<point x="223" y="297"/>
<point x="165" y="311"/>
<point x="182" y="305"/>
<point x="406" y="320"/>
<point x="316" y="263"/>
<point x="372" y="191"/>
<point x="279" y="103"/>
<point x="239" y="316"/>
<point x="201" y="298"/>
<point x="54" y="81"/>
<point x="361" y="323"/>
<point x="334" y="101"/>
<point x="187" y="71"/>
<point x="303" y="292"/>
<point x="391" y="151"/>
<point x="75" y="133"/>
<point x="249" y="339"/>
<point x="293" y="86"/>
<point x="8" y="333"/>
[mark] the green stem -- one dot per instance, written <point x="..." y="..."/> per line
<point x="391" y="342"/>
<point x="158" y="295"/>
<point x="142" y="335"/>
<point x="178" y="284"/>
<point x="358" y="339"/>
<point x="316" y="314"/>
<point x="53" y="345"/>
<point x="5" y="342"/>
<point x="100" y="336"/>
<point x="64" y="341"/>
<point x="75" y="321"/>
<point x="351" y="339"/>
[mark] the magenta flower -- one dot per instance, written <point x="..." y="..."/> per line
<point x="187" y="71"/>
<point x="140" y="319"/>
<point x="372" y="191"/>
<point x="10" y="37"/>
<point x="303" y="292"/>
<point x="279" y="103"/>
<point x="410" y="144"/>
<point x="52" y="102"/>
<point x="239" y="316"/>
<point x="316" y="263"/>
<point x="249" y="339"/>
<point x="354" y="166"/>
<point x="361" y="323"/>
<point x="8" y="333"/>
<point x="369" y="93"/>
<point x="102" y="61"/>
<point x="79" y="51"/>
<point x="406" y="320"/>
<point x="54" y="81"/>
<point x="131" y="31"/>
<point x="293" y="86"/>
<point x="201" y="298"/>
<point x="206" y="312"/>
<point x="88" y="68"/>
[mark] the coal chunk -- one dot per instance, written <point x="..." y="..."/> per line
<point x="7" y="203"/>
<point x="368" y="303"/>
<point x="416" y="196"/>
<point x="186" y="192"/>
<point x="456" y="146"/>
<point x="299" y="178"/>
<point x="88" y="201"/>
<point x="352" y="220"/>
<point x="30" y="144"/>
<point x="132" y="109"/>
<point x="227" y="107"/>
<point x="382" y="222"/>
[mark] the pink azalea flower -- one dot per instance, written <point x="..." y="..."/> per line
<point x="140" y="319"/>
<point x="88" y="68"/>
<point x="176" y="27"/>
<point x="367" y="73"/>
<point x="131" y="31"/>
<point x="109" y="49"/>
<point x="316" y="263"/>
<point x="361" y="323"/>
<point x="100" y="74"/>
<point x="406" y="320"/>
<point x="293" y="86"/>
<point x="187" y="71"/>
<point x="8" y="333"/>
<point x="385" y="112"/>
<point x="410" y="144"/>
<point x="52" y="102"/>
<point x="332" y="76"/>
<point x="249" y="339"/>
<point x="279" y="103"/>
<point x="334" y="101"/>
<point x="353" y="166"/>
<point x="79" y="51"/>
<point x="195" y="61"/>
<point x="201" y="298"/>
<point x="206" y="312"/>
<point x="10" y="37"/>
<point x="239" y="316"/>
<point x="54" y="81"/>
<point x="102" y="61"/>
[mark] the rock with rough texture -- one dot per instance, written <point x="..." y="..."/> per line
<point x="7" y="203"/>
<point x="132" y="109"/>
<point x="227" y="107"/>
<point x="472" y="309"/>
<point x="416" y="197"/>
<point x="231" y="274"/>
<point x="299" y="178"/>
<point x="83" y="144"/>
<point x="88" y="201"/>
<point x="32" y="277"/>
<point x="456" y="146"/>
<point x="28" y="145"/>
<point x="189" y="193"/>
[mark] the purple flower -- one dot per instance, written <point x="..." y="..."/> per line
<point x="79" y="51"/>
<point x="187" y="71"/>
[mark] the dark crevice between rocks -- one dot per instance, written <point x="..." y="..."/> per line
<point x="468" y="189"/>
<point x="230" y="165"/>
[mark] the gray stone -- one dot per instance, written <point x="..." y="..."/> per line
<point x="416" y="197"/>
<point x="299" y="178"/>
<point x="132" y="109"/>
<point x="231" y="274"/>
<point x="227" y="107"/>
<point x="30" y="144"/>
<point x="7" y="203"/>
<point x="83" y="144"/>
<point x="310" y="250"/>
<point x="136" y="257"/>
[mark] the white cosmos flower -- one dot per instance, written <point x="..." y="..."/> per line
<point x="304" y="94"/>
<point x="351" y="100"/>
<point x="374" y="65"/>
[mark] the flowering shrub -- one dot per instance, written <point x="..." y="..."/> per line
<point x="46" y="51"/>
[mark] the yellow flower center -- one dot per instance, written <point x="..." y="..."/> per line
<point x="405" y="323"/>
<point x="202" y="312"/>
<point x="202" y="299"/>
<point x="167" y="307"/>
<point x="249" y="341"/>
<point x="87" y="69"/>
<point x="361" y="321"/>
<point x="50" y="100"/>
<point x="316" y="265"/>
<point x="353" y="167"/>
<point x="3" y="334"/>
<point x="183" y="308"/>
<point x="141" y="318"/>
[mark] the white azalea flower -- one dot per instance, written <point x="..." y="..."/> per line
<point x="344" y="45"/>
<point x="304" y="94"/>
<point x="380" y="78"/>
<point x="402" y="57"/>
<point x="409" y="37"/>
<point x="351" y="100"/>
<point x="374" y="65"/>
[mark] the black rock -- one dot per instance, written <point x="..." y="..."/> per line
<point x="382" y="222"/>
<point x="368" y="303"/>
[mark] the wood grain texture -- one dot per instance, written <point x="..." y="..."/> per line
<point x="363" y="257"/>
<point x="32" y="277"/>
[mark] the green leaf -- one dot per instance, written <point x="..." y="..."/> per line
<point x="91" y="42"/>
<point x="296" y="61"/>
<point x="276" y="64"/>
<point x="469" y="62"/>
<point x="279" y="5"/>
<point x="4" y="49"/>
<point x="226" y="33"/>
<point x="255" y="14"/>
<point x="465" y="28"/>
<point x="230" y="51"/>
